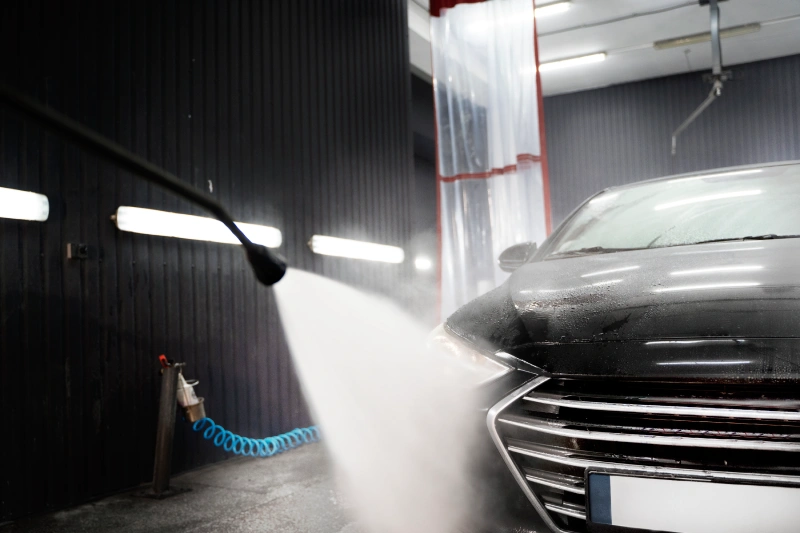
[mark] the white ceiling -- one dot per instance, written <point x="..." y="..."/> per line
<point x="628" y="42"/>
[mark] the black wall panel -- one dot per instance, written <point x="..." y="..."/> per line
<point x="424" y="242"/>
<point x="622" y="134"/>
<point x="294" y="113"/>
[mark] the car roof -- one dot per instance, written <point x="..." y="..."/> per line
<point x="697" y="173"/>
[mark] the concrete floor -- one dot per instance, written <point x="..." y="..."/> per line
<point x="293" y="492"/>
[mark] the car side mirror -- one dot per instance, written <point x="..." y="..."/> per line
<point x="515" y="256"/>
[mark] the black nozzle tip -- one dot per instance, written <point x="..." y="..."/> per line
<point x="268" y="266"/>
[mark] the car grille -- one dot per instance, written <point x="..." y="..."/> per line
<point x="552" y="430"/>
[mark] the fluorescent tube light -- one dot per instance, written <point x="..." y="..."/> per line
<point x="322" y="244"/>
<point x="551" y="9"/>
<point x="709" y="198"/>
<point x="166" y="224"/>
<point x="423" y="263"/>
<point x="23" y="205"/>
<point x="698" y="38"/>
<point x="572" y="62"/>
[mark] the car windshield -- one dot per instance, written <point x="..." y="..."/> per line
<point x="741" y="204"/>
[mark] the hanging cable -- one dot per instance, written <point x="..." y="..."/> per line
<point x="266" y="447"/>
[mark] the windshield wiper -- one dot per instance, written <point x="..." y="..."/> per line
<point x="767" y="237"/>
<point x="601" y="250"/>
<point x="590" y="251"/>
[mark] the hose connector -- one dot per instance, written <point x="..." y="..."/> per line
<point x="193" y="408"/>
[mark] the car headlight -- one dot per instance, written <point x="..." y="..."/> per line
<point x="465" y="358"/>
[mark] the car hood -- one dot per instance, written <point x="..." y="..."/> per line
<point x="748" y="289"/>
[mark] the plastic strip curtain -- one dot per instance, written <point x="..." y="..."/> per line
<point x="491" y="178"/>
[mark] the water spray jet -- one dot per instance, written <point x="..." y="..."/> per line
<point x="372" y="384"/>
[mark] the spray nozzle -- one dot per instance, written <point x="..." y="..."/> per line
<point x="268" y="266"/>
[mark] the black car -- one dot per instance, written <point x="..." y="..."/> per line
<point x="643" y="363"/>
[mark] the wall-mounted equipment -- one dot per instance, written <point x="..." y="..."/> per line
<point x="717" y="76"/>
<point x="193" y="408"/>
<point x="165" y="430"/>
<point x="78" y="251"/>
<point x="167" y="224"/>
<point x="325" y="245"/>
<point x="23" y="205"/>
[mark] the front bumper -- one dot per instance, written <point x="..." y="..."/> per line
<point x="502" y="507"/>
<point x="549" y="431"/>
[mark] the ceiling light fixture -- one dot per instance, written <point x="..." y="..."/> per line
<point x="325" y="245"/>
<point x="551" y="9"/>
<point x="572" y="62"/>
<point x="166" y="224"/>
<point x="706" y="37"/>
<point x="23" y="205"/>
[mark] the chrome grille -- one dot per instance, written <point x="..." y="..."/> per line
<point x="551" y="430"/>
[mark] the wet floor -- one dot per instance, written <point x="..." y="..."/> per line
<point x="293" y="492"/>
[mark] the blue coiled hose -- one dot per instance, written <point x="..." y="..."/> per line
<point x="267" y="447"/>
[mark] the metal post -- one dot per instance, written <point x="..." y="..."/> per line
<point x="166" y="428"/>
<point x="716" y="46"/>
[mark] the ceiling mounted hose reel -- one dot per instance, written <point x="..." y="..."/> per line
<point x="717" y="76"/>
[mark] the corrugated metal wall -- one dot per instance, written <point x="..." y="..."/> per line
<point x="424" y="242"/>
<point x="295" y="112"/>
<point x="622" y="134"/>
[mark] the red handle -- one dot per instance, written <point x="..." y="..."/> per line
<point x="163" y="360"/>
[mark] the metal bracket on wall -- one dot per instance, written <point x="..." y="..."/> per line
<point x="77" y="250"/>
